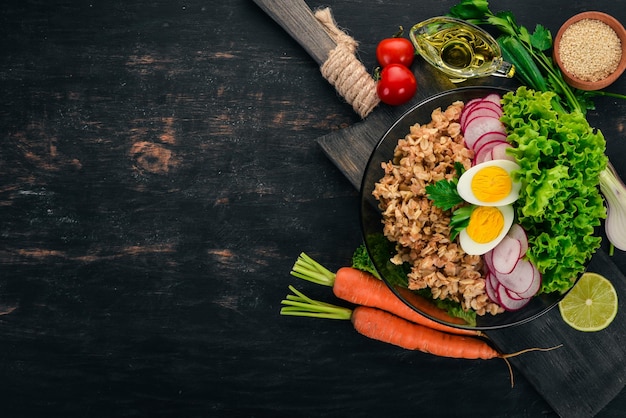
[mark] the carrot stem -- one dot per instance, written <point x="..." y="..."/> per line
<point x="308" y="269"/>
<point x="301" y="305"/>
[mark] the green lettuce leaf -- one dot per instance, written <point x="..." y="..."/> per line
<point x="560" y="206"/>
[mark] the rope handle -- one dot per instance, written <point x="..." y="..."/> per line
<point x="343" y="69"/>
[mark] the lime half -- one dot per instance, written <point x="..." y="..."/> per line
<point x="591" y="305"/>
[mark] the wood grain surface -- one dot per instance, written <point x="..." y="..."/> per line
<point x="159" y="174"/>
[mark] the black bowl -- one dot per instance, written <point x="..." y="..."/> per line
<point x="371" y="218"/>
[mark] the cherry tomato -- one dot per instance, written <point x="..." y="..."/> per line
<point x="396" y="84"/>
<point x="395" y="51"/>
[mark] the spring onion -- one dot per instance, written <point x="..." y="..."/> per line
<point x="614" y="192"/>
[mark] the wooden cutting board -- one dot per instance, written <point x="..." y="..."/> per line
<point x="577" y="380"/>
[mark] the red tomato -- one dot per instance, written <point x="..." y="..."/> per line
<point x="395" y="51"/>
<point x="396" y="85"/>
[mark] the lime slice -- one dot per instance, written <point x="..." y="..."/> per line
<point x="591" y="305"/>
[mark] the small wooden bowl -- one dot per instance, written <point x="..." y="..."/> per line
<point x="591" y="85"/>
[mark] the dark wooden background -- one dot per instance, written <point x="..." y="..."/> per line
<point x="159" y="175"/>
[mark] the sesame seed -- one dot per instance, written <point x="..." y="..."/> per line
<point x="590" y="50"/>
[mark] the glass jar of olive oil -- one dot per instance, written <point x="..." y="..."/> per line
<point x="459" y="49"/>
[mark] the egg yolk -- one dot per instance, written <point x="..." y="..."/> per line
<point x="491" y="184"/>
<point x="485" y="224"/>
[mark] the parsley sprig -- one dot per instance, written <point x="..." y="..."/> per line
<point x="445" y="196"/>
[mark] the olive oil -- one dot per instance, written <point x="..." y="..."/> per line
<point x="459" y="49"/>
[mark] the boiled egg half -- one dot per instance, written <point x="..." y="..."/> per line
<point x="491" y="188"/>
<point x="487" y="227"/>
<point x="490" y="183"/>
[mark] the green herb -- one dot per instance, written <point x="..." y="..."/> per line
<point x="361" y="260"/>
<point x="459" y="220"/>
<point x="444" y="193"/>
<point x="381" y="250"/>
<point x="445" y="196"/>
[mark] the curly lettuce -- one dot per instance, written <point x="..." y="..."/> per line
<point x="561" y="158"/>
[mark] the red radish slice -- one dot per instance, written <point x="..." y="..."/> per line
<point x="467" y="110"/>
<point x="497" y="110"/>
<point x="517" y="232"/>
<point x="477" y="111"/>
<point x="484" y="156"/>
<point x="488" y="146"/>
<point x="480" y="102"/>
<point x="494" y="282"/>
<point x="534" y="287"/>
<point x="488" y="259"/>
<point x="489" y="105"/>
<point x="520" y="279"/>
<point x="472" y="103"/>
<point x="468" y="106"/>
<point x="513" y="295"/>
<point x="509" y="303"/>
<point x="499" y="153"/>
<point x="495" y="98"/>
<point x="488" y="137"/>
<point x="506" y="255"/>
<point x="490" y="289"/>
<point x="479" y="126"/>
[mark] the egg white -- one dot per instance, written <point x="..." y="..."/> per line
<point x="464" y="186"/>
<point x="472" y="247"/>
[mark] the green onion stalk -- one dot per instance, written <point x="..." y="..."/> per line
<point x="614" y="192"/>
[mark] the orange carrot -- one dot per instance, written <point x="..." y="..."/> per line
<point x="386" y="327"/>
<point x="383" y="326"/>
<point x="362" y="288"/>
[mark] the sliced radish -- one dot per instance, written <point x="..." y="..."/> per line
<point x="506" y="255"/>
<point x="486" y="146"/>
<point x="469" y="105"/>
<point x="479" y="126"/>
<point x="499" y="153"/>
<point x="517" y="232"/>
<point x="488" y="137"/>
<point x="484" y="157"/>
<point x="512" y="294"/>
<point x="478" y="111"/>
<point x="535" y="285"/>
<point x="490" y="105"/>
<point x="520" y="279"/>
<point x="481" y="156"/>
<point x="483" y="104"/>
<point x="488" y="259"/>
<point x="509" y="303"/>
<point x="490" y="289"/>
<point x="467" y="110"/>
<point x="495" y="98"/>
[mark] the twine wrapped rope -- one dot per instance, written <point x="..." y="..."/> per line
<point x="343" y="69"/>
